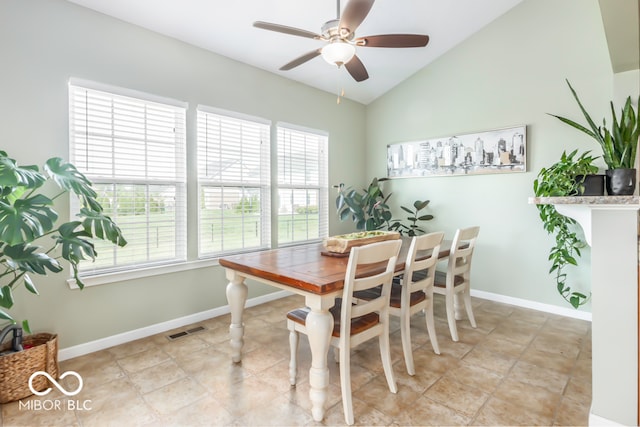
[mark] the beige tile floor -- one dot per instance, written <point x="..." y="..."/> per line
<point x="519" y="367"/>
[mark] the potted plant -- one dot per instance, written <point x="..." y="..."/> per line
<point x="369" y="209"/>
<point x="619" y="144"/>
<point x="33" y="241"/>
<point x="561" y="179"/>
<point x="413" y="229"/>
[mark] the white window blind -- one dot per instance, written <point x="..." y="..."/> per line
<point x="133" y="150"/>
<point x="234" y="183"/>
<point x="302" y="185"/>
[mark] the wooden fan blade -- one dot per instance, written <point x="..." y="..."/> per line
<point x="393" y="40"/>
<point x="286" y="30"/>
<point x="353" y="15"/>
<point x="301" y="60"/>
<point x="355" y="67"/>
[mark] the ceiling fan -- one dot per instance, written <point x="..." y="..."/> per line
<point x="341" y="44"/>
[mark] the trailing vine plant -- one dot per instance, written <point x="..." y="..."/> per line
<point x="564" y="178"/>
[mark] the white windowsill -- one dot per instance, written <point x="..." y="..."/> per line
<point x="138" y="273"/>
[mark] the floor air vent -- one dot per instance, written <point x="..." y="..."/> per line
<point x="185" y="333"/>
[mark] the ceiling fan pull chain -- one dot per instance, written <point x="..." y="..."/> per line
<point x="340" y="81"/>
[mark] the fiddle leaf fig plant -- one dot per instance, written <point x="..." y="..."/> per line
<point x="368" y="209"/>
<point x="27" y="219"/>
<point x="562" y="179"/>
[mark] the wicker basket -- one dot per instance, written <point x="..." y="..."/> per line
<point x="16" y="368"/>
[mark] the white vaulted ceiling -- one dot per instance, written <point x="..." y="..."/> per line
<point x="225" y="27"/>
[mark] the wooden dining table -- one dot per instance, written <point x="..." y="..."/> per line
<point x="306" y="271"/>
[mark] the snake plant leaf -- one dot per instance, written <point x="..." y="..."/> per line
<point x="595" y="130"/>
<point x="69" y="178"/>
<point x="26" y="220"/>
<point x="99" y="225"/>
<point x="24" y="257"/>
<point x="12" y="175"/>
<point x="6" y="297"/>
<point x="577" y="126"/>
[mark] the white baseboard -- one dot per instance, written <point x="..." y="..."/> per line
<point x="595" y="420"/>
<point x="548" y="308"/>
<point x="101" y="344"/>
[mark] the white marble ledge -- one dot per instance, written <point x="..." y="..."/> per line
<point x="586" y="200"/>
<point x="580" y="207"/>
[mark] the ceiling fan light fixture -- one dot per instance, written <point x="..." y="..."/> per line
<point x="338" y="52"/>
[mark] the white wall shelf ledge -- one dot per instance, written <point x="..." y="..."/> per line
<point x="610" y="225"/>
<point x="580" y="207"/>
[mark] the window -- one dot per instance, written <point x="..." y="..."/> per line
<point x="234" y="177"/>
<point x="133" y="150"/>
<point x="302" y="185"/>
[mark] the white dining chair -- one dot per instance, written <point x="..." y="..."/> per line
<point x="355" y="324"/>
<point x="457" y="279"/>
<point x="412" y="292"/>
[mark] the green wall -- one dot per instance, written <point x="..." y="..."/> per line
<point x="510" y="73"/>
<point x="43" y="44"/>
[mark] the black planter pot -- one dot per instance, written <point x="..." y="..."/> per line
<point x="621" y="182"/>
<point x="593" y="185"/>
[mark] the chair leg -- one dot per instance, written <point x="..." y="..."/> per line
<point x="345" y="385"/>
<point x="467" y="305"/>
<point x="293" y="363"/>
<point x="385" y="354"/>
<point x="431" y="328"/>
<point x="405" y="329"/>
<point x="451" y="317"/>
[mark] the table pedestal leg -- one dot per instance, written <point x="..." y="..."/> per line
<point x="319" y="326"/>
<point x="237" y="297"/>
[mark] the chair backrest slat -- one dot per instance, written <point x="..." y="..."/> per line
<point x="381" y="252"/>
<point x="431" y="241"/>
<point x="462" y="248"/>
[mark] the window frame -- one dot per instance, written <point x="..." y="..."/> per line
<point x="323" y="181"/>
<point x="264" y="185"/>
<point x="179" y="182"/>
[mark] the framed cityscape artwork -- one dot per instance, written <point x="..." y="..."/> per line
<point x="495" y="151"/>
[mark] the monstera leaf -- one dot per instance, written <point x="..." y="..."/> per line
<point x="26" y="219"/>
<point x="12" y="175"/>
<point x="74" y="247"/>
<point x="101" y="226"/>
<point x="26" y="258"/>
<point x="70" y="179"/>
